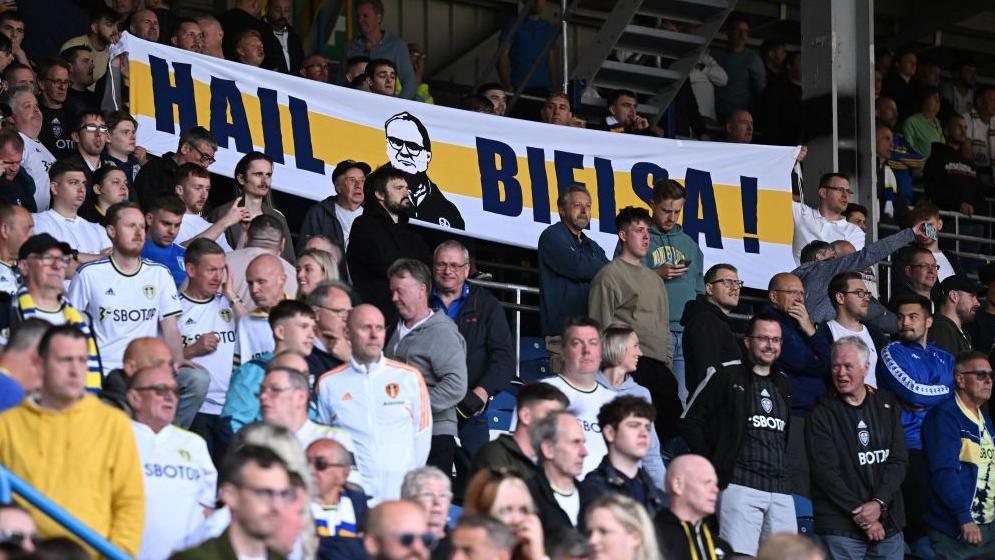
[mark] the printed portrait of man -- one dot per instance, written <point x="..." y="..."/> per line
<point x="409" y="150"/>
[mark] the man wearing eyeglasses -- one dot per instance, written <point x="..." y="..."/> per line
<point x="255" y="485"/>
<point x="180" y="479"/>
<point x="956" y="300"/>
<point x="739" y="419"/>
<point x="56" y="128"/>
<point x="97" y="477"/>
<point x="921" y="376"/>
<point x="490" y="352"/>
<point x="960" y="456"/>
<point x="855" y="436"/>
<point x="851" y="300"/>
<point x="315" y="67"/>
<point x="397" y="531"/>
<point x="333" y="217"/>
<point x="90" y="133"/>
<point x="826" y="222"/>
<point x="339" y="507"/>
<point x="708" y="339"/>
<point x="158" y="176"/>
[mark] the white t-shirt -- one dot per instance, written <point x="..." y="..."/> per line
<point x="212" y="316"/>
<point x="37" y="160"/>
<point x="839" y="331"/>
<point x="80" y="234"/>
<point x="180" y="481"/>
<point x="946" y="269"/>
<point x="570" y="504"/>
<point x="346" y="218"/>
<point x="192" y="226"/>
<point x="254" y="337"/>
<point x="123" y="306"/>
<point x="586" y="405"/>
<point x="811" y="226"/>
<point x="9" y="278"/>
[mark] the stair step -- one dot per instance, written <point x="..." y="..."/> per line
<point x="659" y="42"/>
<point x="640" y="79"/>
<point x="690" y="11"/>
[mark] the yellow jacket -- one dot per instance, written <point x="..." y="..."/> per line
<point x="85" y="459"/>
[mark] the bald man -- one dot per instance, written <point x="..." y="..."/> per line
<point x="266" y="277"/>
<point x="692" y="492"/>
<point x="388" y="527"/>
<point x="265" y="281"/>
<point x="16" y="226"/>
<point x="141" y="353"/>
<point x="397" y="429"/>
<point x="339" y="507"/>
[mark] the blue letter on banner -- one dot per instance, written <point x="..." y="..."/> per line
<point x="699" y="186"/>
<point x="224" y="97"/>
<point x="300" y="124"/>
<point x="165" y="95"/>
<point x="491" y="174"/>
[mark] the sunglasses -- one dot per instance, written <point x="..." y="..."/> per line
<point x="407" y="540"/>
<point x="981" y="374"/>
<point x="15" y="539"/>
<point x="321" y="465"/>
<point x="160" y="390"/>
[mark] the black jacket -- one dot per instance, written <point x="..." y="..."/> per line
<point x="899" y="283"/>
<point x="490" y="350"/>
<point x="156" y="178"/>
<point x="714" y="422"/>
<point x="852" y="472"/>
<point x="708" y="340"/>
<point x="504" y="453"/>
<point x="947" y="336"/>
<point x="952" y="179"/>
<point x="295" y="49"/>
<point x="605" y="478"/>
<point x="554" y="519"/>
<point x="321" y="220"/>
<point x="19" y="192"/>
<point x="236" y="21"/>
<point x="375" y="242"/>
<point x="672" y="537"/>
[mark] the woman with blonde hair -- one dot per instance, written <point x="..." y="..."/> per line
<point x="314" y="266"/>
<point x="504" y="496"/>
<point x="620" y="529"/>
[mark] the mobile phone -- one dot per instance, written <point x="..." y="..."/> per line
<point x="930" y="231"/>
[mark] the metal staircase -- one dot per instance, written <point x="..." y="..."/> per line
<point x="635" y="26"/>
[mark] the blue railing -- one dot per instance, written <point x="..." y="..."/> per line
<point x="12" y="484"/>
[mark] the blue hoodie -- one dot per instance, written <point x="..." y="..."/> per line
<point x="920" y="377"/>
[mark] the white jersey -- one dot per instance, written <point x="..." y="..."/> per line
<point x="810" y="226"/>
<point x="385" y="408"/>
<point x="212" y="316"/>
<point x="84" y="236"/>
<point x="180" y="481"/>
<point x="192" y="226"/>
<point x="254" y="337"/>
<point x="37" y="160"/>
<point x="839" y="331"/>
<point x="10" y="278"/>
<point x="123" y="306"/>
<point x="585" y="405"/>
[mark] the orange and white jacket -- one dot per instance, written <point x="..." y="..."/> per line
<point x="385" y="408"/>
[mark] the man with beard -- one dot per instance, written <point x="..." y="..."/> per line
<point x="103" y="33"/>
<point x="956" y="301"/>
<point x="921" y="376"/>
<point x="193" y="185"/>
<point x="409" y="151"/>
<point x="851" y="302"/>
<point x="283" y="39"/>
<point x="80" y="95"/>
<point x="739" y="420"/>
<point x="381" y="236"/>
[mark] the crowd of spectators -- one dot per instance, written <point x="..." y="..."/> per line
<point x="190" y="381"/>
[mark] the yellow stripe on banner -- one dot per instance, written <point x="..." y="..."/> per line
<point x="368" y="144"/>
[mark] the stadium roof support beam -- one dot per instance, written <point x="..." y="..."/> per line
<point x="838" y="97"/>
<point x="929" y="16"/>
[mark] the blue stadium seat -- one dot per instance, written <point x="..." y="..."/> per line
<point x="455" y="512"/>
<point x="502" y="409"/>
<point x="532" y="349"/>
<point x="805" y="515"/>
<point x="534" y="370"/>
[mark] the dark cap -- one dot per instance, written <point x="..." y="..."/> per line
<point x="39" y="244"/>
<point x="346" y="165"/>
<point x="955" y="283"/>
<point x="987" y="273"/>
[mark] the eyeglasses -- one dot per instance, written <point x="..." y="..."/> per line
<point x="442" y="266"/>
<point x="862" y="294"/>
<point x="204" y="158"/>
<point x="160" y="390"/>
<point x="767" y="339"/>
<point x="925" y="266"/>
<point x="981" y="374"/>
<point x="730" y="283"/>
<point x="339" y="311"/>
<point x="269" y="494"/>
<point x="94" y="128"/>
<point x="407" y="540"/>
<point x="323" y="67"/>
<point x="62" y="83"/>
<point x="263" y="389"/>
<point x="791" y="292"/>
<point x="413" y="147"/>
<point x="431" y="496"/>
<point x="838" y="189"/>
<point x="16" y="538"/>
<point x="321" y="465"/>
<point x="51" y="260"/>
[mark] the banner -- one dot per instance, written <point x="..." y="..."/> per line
<point x="493" y="178"/>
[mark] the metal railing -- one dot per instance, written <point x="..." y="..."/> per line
<point x="517" y="307"/>
<point x="12" y="484"/>
<point x="958" y="237"/>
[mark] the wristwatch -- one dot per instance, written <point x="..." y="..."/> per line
<point x="880" y="501"/>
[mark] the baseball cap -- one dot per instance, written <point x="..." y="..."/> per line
<point x="956" y="283"/>
<point x="39" y="244"/>
<point x="346" y="165"/>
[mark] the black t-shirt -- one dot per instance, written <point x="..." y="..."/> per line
<point x="761" y="462"/>
<point x="56" y="131"/>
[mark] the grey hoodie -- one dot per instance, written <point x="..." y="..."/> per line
<point x="438" y="350"/>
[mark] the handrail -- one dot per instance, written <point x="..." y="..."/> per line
<point x="517" y="307"/>
<point x="11" y="482"/>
